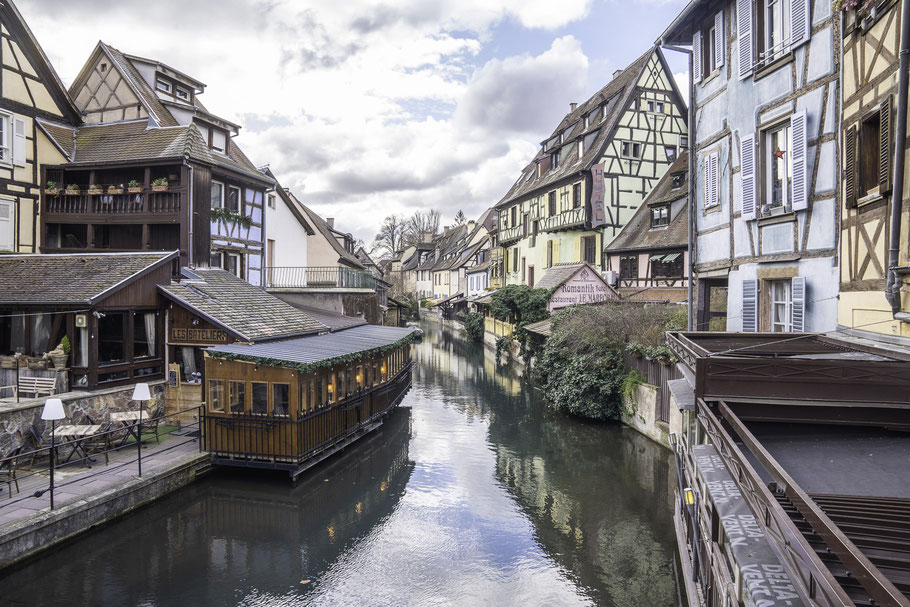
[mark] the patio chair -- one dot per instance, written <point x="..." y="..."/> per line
<point x="152" y="424"/>
<point x="41" y="443"/>
<point x="98" y="444"/>
<point x="8" y="466"/>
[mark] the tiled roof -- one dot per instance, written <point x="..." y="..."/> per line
<point x="638" y="234"/>
<point x="559" y="273"/>
<point x="125" y="141"/>
<point x="481" y="267"/>
<point x="60" y="134"/>
<point x="617" y="93"/>
<point x="323" y="228"/>
<point x="148" y="97"/>
<point x="70" y="278"/>
<point x="544" y="327"/>
<point x="244" y="309"/>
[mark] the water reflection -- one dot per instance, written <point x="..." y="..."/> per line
<point x="476" y="495"/>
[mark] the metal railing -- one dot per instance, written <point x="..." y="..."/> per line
<point x="318" y="277"/>
<point x="67" y="451"/>
<point x="114" y="204"/>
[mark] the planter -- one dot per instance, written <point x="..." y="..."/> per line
<point x="7" y="362"/>
<point x="59" y="360"/>
<point x="37" y="364"/>
<point x="136" y="190"/>
<point x="159" y="188"/>
<point x="115" y="190"/>
<point x="95" y="191"/>
<point x="52" y="191"/>
<point x="72" y="192"/>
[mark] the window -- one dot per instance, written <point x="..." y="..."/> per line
<point x="513" y="215"/>
<point x="631" y="149"/>
<point x="219" y="141"/>
<point x="678" y="180"/>
<point x="260" y="401"/>
<point x="667" y="266"/>
<point x="272" y="204"/>
<point x="233" y="200"/>
<point x="515" y="260"/>
<point x="868" y="156"/>
<point x="551" y="203"/>
<point x="144" y="335"/>
<point x="581" y="147"/>
<point x="628" y="266"/>
<point x="217" y="194"/>
<point x="778" y="180"/>
<point x="216" y="395"/>
<point x="281" y="399"/>
<point x="576" y="195"/>
<point x="549" y="253"/>
<point x="236" y="396"/>
<point x="111" y="347"/>
<point x="215" y="259"/>
<point x="656" y="107"/>
<point x="660" y="216"/>
<point x="670" y="151"/>
<point x="783" y="302"/>
<point x="182" y="94"/>
<point x="589" y="249"/>
<point x="708" y="48"/>
<point x="163" y="85"/>
<point x="554" y="160"/>
<point x="232" y="261"/>
<point x="776" y="25"/>
<point x="780" y="305"/>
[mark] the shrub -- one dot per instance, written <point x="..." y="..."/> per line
<point x="474" y="327"/>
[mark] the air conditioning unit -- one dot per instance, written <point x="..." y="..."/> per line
<point x="611" y="276"/>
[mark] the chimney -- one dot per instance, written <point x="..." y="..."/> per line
<point x="616" y="73"/>
<point x="572" y="106"/>
<point x="445" y="229"/>
<point x="331" y="222"/>
<point x="471" y="224"/>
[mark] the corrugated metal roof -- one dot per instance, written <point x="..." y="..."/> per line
<point x="310" y="350"/>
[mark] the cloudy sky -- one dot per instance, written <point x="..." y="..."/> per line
<point x="364" y="107"/>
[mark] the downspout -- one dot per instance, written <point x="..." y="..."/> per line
<point x="191" y="218"/>
<point x="893" y="290"/>
<point x="690" y="149"/>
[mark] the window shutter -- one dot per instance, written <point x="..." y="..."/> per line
<point x="850" y="168"/>
<point x="696" y="57"/>
<point x="884" y="158"/>
<point x="747" y="172"/>
<point x="719" y="50"/>
<point x="798" y="161"/>
<point x="744" y="36"/>
<point x="714" y="189"/>
<point x="706" y="180"/>
<point x="798" y="304"/>
<point x="750" y="306"/>
<point x="18" y="142"/>
<point x="800" y="22"/>
<point x="7" y="233"/>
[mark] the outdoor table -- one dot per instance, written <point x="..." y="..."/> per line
<point x="129" y="419"/>
<point x="72" y="434"/>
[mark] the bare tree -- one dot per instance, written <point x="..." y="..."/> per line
<point x="460" y="219"/>
<point x="389" y="238"/>
<point x="419" y="223"/>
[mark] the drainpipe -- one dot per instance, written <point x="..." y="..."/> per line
<point x="690" y="149"/>
<point x="893" y="290"/>
<point x="191" y="218"/>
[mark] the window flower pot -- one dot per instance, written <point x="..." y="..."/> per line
<point x="52" y="191"/>
<point x="159" y="188"/>
<point x="115" y="190"/>
<point x="59" y="360"/>
<point x="95" y="191"/>
<point x="36" y="364"/>
<point x="136" y="190"/>
<point x="69" y="192"/>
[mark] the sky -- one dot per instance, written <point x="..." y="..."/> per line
<point x="366" y="108"/>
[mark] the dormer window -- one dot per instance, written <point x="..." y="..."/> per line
<point x="554" y="160"/>
<point x="219" y="141"/>
<point x="678" y="179"/>
<point x="163" y="85"/>
<point x="182" y="94"/>
<point x="660" y="216"/>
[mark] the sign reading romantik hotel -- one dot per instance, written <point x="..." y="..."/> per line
<point x="585" y="286"/>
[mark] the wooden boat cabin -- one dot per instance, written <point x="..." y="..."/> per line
<point x="289" y="404"/>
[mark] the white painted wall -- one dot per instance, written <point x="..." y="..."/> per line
<point x="290" y="249"/>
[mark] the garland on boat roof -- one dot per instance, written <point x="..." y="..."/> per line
<point x="319" y="364"/>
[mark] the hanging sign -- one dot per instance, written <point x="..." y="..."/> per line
<point x="598" y="214"/>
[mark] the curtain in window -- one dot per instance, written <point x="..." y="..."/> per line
<point x="189" y="362"/>
<point x="82" y="349"/>
<point x="41" y="332"/>
<point x="149" y="318"/>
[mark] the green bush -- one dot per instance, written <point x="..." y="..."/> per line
<point x="474" y="327"/>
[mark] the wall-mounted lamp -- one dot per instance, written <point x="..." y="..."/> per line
<point x="690" y="496"/>
<point x="195" y="322"/>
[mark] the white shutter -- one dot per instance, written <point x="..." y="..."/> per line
<point x="798" y="304"/>
<point x="714" y="188"/>
<point x="696" y="57"/>
<point x="719" y="50"/>
<point x="747" y="172"/>
<point x="18" y="142"/>
<point x="800" y="22"/>
<point x="706" y="181"/>
<point x="798" y="160"/>
<point x="750" y="306"/>
<point x="6" y="225"/>
<point x="744" y="36"/>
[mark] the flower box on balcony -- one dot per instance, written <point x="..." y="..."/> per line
<point x="52" y="191"/>
<point x="113" y="190"/>
<point x="159" y="188"/>
<point x="72" y="191"/>
<point x="136" y="190"/>
<point x="93" y="191"/>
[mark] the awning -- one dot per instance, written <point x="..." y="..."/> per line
<point x="671" y="257"/>
<point x="657" y="257"/>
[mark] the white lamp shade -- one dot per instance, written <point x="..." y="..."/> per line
<point x="53" y="409"/>
<point x="141" y="392"/>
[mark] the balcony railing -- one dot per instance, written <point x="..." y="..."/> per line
<point x="315" y="277"/>
<point x="566" y="219"/>
<point x="114" y="204"/>
<point x="509" y="234"/>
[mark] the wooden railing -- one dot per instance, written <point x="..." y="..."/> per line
<point x="566" y="219"/>
<point x="509" y="234"/>
<point x="107" y="204"/>
<point x="656" y="374"/>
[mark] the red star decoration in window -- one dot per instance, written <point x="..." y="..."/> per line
<point x="779" y="154"/>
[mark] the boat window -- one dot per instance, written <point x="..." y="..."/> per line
<point x="280" y="399"/>
<point x="216" y="395"/>
<point x="236" y="396"/>
<point x="260" y="398"/>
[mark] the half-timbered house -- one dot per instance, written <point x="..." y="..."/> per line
<point x="766" y="160"/>
<point x="30" y="90"/>
<point x="152" y="169"/>
<point x="874" y="210"/>
<point x="592" y="173"/>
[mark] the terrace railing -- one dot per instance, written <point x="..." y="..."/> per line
<point x="319" y="277"/>
<point x="114" y="204"/>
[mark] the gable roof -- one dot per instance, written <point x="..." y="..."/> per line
<point x="328" y="233"/>
<point x="616" y="96"/>
<point x="244" y="310"/>
<point x="638" y="234"/>
<point x="290" y="203"/>
<point x="560" y="273"/>
<point x="72" y="278"/>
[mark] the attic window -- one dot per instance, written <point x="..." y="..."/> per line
<point x="554" y="160"/>
<point x="163" y="85"/>
<point x="603" y="112"/>
<point x="670" y="151"/>
<point x="182" y="94"/>
<point x="219" y="140"/>
<point x="631" y="149"/>
<point x="656" y="107"/>
<point x="660" y="216"/>
<point x="678" y="179"/>
<point x="103" y="67"/>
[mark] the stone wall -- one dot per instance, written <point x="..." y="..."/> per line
<point x="17" y="418"/>
<point x="641" y="414"/>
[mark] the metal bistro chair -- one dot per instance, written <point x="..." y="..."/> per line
<point x="152" y="424"/>
<point x="41" y="444"/>
<point x="98" y="444"/>
<point x="8" y="467"/>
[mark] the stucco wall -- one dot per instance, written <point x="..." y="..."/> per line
<point x="290" y="248"/>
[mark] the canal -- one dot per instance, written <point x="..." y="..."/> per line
<point x="474" y="493"/>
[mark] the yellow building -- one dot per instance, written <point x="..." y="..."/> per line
<point x="33" y="101"/>
<point x="871" y="89"/>
<point x="591" y="175"/>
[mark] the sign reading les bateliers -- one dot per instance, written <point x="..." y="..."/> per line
<point x="584" y="287"/>
<point x="186" y="335"/>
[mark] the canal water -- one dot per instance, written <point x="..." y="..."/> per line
<point x="474" y="493"/>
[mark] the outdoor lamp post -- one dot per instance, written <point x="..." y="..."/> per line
<point x="53" y="410"/>
<point x="142" y="394"/>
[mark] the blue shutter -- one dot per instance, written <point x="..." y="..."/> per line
<point x="798" y="159"/>
<point x="800" y="22"/>
<point x="750" y="306"/>
<point x="747" y="173"/>
<point x="798" y="304"/>
<point x="744" y="36"/>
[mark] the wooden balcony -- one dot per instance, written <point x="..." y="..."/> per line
<point x="567" y="219"/>
<point x="510" y="234"/>
<point x="73" y="208"/>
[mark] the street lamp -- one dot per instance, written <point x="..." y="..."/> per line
<point x="53" y="410"/>
<point x="142" y="394"/>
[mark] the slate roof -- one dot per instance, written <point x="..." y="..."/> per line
<point x="481" y="267"/>
<point x="146" y="95"/>
<point x="308" y="350"/>
<point x="638" y="233"/>
<point x="561" y="272"/>
<point x="243" y="309"/>
<point x="71" y="279"/>
<point x="617" y="94"/>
